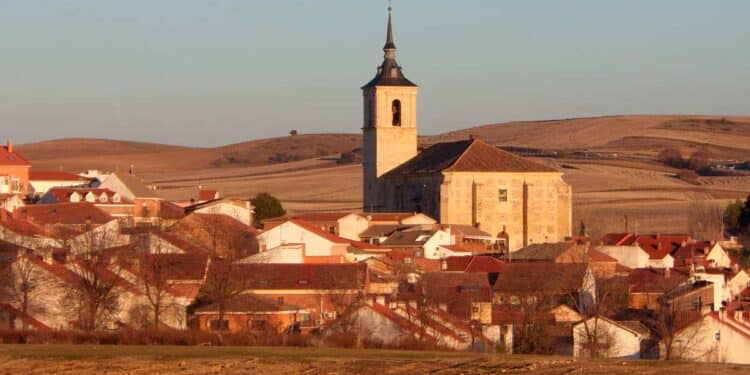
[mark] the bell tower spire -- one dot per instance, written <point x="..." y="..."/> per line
<point x="389" y="45"/>
<point x="389" y="134"/>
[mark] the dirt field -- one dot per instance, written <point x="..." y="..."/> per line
<point x="69" y="359"/>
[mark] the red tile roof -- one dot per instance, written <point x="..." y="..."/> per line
<point x="62" y="194"/>
<point x="24" y="227"/>
<point x="466" y="156"/>
<point x="618" y="239"/>
<point x="485" y="264"/>
<point x="36" y="175"/>
<point x="11" y="157"/>
<point x="319" y="232"/>
<point x="63" y="213"/>
<point x="207" y="195"/>
<point x="315" y="277"/>
<point x="541" y="277"/>
<point x="654" y="280"/>
<point x="658" y="246"/>
<point x="598" y="256"/>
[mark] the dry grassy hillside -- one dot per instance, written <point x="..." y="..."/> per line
<point x="723" y="137"/>
<point x="301" y="170"/>
<point x="82" y="154"/>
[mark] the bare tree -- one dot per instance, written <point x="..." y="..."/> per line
<point x="612" y="295"/>
<point x="92" y="296"/>
<point x="152" y="272"/>
<point x="705" y="219"/>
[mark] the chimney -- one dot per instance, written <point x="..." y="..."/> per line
<point x="10" y="146"/>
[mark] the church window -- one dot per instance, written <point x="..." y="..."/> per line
<point x="396" y="110"/>
<point x="502" y="195"/>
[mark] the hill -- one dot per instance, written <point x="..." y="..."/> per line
<point x="641" y="136"/>
<point x="83" y="154"/>
<point x="609" y="161"/>
<point x="722" y="137"/>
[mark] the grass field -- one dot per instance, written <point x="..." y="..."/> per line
<point x="70" y="359"/>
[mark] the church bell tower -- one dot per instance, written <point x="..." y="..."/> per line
<point x="389" y="131"/>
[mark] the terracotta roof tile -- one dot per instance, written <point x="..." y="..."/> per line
<point x="541" y="277"/>
<point x="654" y="280"/>
<point x="63" y="194"/>
<point x="63" y="213"/>
<point x="478" y="263"/>
<point x="207" y="195"/>
<point x="466" y="156"/>
<point x="300" y="276"/>
<point x="11" y="157"/>
<point x="598" y="256"/>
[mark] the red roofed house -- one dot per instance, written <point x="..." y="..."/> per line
<point x="297" y="241"/>
<point x="716" y="337"/>
<point x="351" y="225"/>
<point x="14" y="171"/>
<point x="104" y="199"/>
<point x="323" y="290"/>
<point x="42" y="181"/>
<point x="238" y="209"/>
<point x="603" y="265"/>
<point x="660" y="247"/>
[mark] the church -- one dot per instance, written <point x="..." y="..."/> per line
<point x="466" y="182"/>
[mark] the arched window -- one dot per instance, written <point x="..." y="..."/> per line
<point x="396" y="109"/>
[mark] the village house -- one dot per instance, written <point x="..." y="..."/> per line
<point x="42" y="181"/>
<point x="352" y="225"/>
<point x="630" y="256"/>
<point x="716" y="337"/>
<point x="297" y="241"/>
<point x="599" y="336"/>
<point x="14" y="171"/>
<point x="559" y="252"/>
<point x="325" y="290"/>
<point x="237" y="209"/>
<point x="104" y="199"/>
<point x="254" y="314"/>
<point x="545" y="284"/>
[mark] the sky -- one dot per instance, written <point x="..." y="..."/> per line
<point x="207" y="73"/>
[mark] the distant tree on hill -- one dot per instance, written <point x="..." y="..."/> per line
<point x="732" y="214"/>
<point x="672" y="157"/>
<point x="293" y="132"/>
<point x="744" y="218"/>
<point x="266" y="206"/>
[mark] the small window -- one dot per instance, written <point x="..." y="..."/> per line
<point x="697" y="303"/>
<point x="218" y="325"/>
<point x="502" y="195"/>
<point x="280" y="300"/>
<point x="396" y="111"/>
<point x="514" y="300"/>
<point x="257" y="324"/>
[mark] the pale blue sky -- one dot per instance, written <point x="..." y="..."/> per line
<point x="215" y="72"/>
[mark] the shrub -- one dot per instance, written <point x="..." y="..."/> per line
<point x="266" y="206"/>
